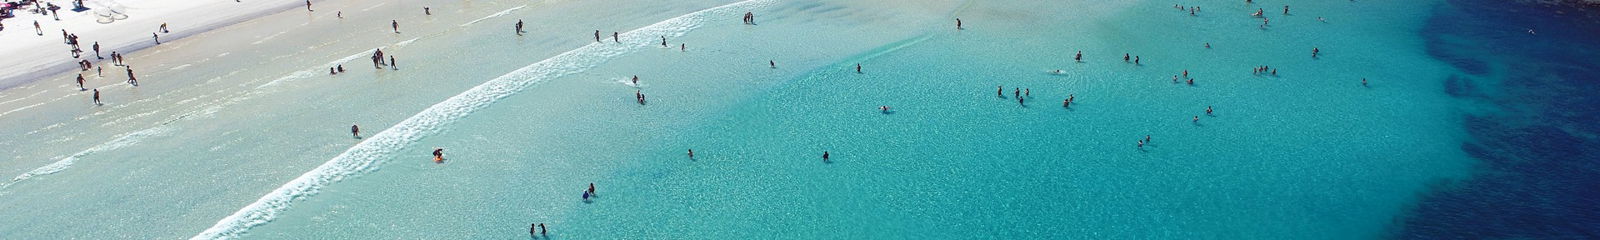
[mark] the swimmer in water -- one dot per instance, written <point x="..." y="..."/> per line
<point x="1066" y="103"/>
<point x="1141" y="144"/>
<point x="542" y="229"/>
<point x="858" y="68"/>
<point x="1136" y="60"/>
<point x="355" y="131"/>
<point x="1146" y="138"/>
<point x="1078" y="57"/>
<point x="635" y="80"/>
<point x="1125" y="57"/>
<point x="1208" y="110"/>
<point x="1197" y="119"/>
<point x="1363" y="83"/>
<point x="824" y="156"/>
<point x="615" y="37"/>
<point x="1027" y="92"/>
<point x="772" y="64"/>
<point x="691" y="153"/>
<point x="1191" y="82"/>
<point x="1016" y="92"/>
<point x="883" y="109"/>
<point x="999" y="91"/>
<point x="1315" y="51"/>
<point x="1208" y="45"/>
<point x="591" y="189"/>
<point x="438" y="155"/>
<point x="1186" y="73"/>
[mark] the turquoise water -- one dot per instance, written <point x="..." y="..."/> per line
<point x="1307" y="154"/>
<point x="527" y="123"/>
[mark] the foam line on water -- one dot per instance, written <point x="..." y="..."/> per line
<point x="497" y="14"/>
<point x="367" y="155"/>
<point x="120" y="142"/>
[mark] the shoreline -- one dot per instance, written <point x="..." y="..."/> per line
<point x="41" y="58"/>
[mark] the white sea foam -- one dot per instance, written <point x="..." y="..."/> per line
<point x="367" y="155"/>
<point x="120" y="142"/>
<point x="501" y="13"/>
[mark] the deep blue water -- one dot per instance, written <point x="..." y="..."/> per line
<point x="1533" y="117"/>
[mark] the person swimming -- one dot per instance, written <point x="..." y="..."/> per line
<point x="858" y="68"/>
<point x="1136" y="60"/>
<point x="635" y="80"/>
<point x="1363" y="82"/>
<point x="438" y="155"/>
<point x="1125" y="57"/>
<point x="1141" y="144"/>
<point x="1315" y="51"/>
<point x="1066" y="103"/>
<point x="999" y="91"/>
<point x="772" y="64"/>
<point x="1078" y="57"/>
<point x="1196" y="118"/>
<point x="883" y="108"/>
<point x="591" y="188"/>
<point x="691" y="153"/>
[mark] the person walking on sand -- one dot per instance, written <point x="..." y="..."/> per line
<point x="308" y="6"/>
<point x="96" y="47"/>
<point x="519" y="27"/>
<point x="131" y="79"/>
<point x="157" y="37"/>
<point x="37" y="29"/>
<point x="80" y="82"/>
<point x="393" y="64"/>
<point x="396" y="25"/>
<point x="164" y="28"/>
<point x="97" y="97"/>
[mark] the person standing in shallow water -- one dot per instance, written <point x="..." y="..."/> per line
<point x="824" y="156"/>
<point x="958" y="24"/>
<point x="396" y="25"/>
<point x="438" y="155"/>
<point x="97" y="97"/>
<point x="355" y="131"/>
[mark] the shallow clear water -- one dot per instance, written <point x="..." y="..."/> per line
<point x="528" y="122"/>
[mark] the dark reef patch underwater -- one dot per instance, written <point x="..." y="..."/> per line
<point x="1533" y="71"/>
